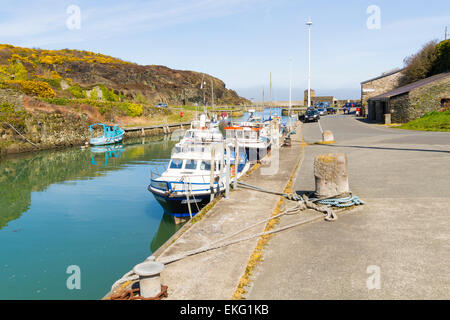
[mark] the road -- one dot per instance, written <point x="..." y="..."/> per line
<point x="396" y="246"/>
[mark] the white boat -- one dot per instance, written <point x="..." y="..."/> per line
<point x="188" y="176"/>
<point x="252" y="139"/>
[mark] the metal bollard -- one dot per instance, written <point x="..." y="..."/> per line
<point x="149" y="278"/>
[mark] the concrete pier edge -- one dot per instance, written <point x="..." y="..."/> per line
<point x="255" y="257"/>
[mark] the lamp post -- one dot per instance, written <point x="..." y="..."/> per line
<point x="290" y="86"/>
<point x="309" y="23"/>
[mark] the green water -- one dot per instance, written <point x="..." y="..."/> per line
<point x="76" y="207"/>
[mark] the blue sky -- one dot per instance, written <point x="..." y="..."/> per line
<point x="239" y="41"/>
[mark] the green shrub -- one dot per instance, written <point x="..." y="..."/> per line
<point x="54" y="83"/>
<point x="108" y="95"/>
<point x="77" y="92"/>
<point x="9" y="115"/>
<point x="443" y="57"/>
<point x="93" y="95"/>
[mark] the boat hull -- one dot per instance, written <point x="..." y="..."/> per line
<point x="101" y="141"/>
<point x="177" y="206"/>
<point x="254" y="153"/>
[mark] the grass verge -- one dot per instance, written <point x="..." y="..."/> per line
<point x="432" y="121"/>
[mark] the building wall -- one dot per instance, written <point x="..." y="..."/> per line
<point x="420" y="101"/>
<point x="318" y="99"/>
<point x="379" y="86"/>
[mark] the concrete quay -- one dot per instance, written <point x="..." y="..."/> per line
<point x="396" y="246"/>
<point x="216" y="274"/>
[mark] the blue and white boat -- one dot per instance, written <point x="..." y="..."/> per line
<point x="111" y="134"/>
<point x="187" y="178"/>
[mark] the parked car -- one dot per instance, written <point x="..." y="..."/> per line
<point x="323" y="105"/>
<point x="348" y="106"/>
<point x="322" y="111"/>
<point x="331" y="110"/>
<point x="311" y="116"/>
<point x="161" y="105"/>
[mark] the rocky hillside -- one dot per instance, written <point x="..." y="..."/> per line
<point x="83" y="74"/>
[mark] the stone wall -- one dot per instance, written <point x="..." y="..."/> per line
<point x="379" y="86"/>
<point x="420" y="101"/>
<point x="399" y="107"/>
<point x="12" y="97"/>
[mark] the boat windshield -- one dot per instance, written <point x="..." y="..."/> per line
<point x="190" y="164"/>
<point x="176" y="164"/>
<point x="205" y="165"/>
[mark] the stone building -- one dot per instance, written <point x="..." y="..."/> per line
<point x="387" y="81"/>
<point x="411" y="101"/>
<point x="332" y="100"/>
<point x="305" y="97"/>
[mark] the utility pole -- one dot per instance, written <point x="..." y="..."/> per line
<point x="309" y="23"/>
<point x="445" y="33"/>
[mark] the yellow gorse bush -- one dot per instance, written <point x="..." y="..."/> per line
<point x="35" y="88"/>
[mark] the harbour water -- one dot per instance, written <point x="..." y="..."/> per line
<point x="88" y="208"/>
<point x="81" y="208"/>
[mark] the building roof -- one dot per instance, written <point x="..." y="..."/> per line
<point x="411" y="86"/>
<point x="385" y="74"/>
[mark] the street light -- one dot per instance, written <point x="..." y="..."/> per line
<point x="309" y="23"/>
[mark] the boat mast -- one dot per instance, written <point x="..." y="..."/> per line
<point x="271" y="101"/>
<point x="263" y="102"/>
<point x="212" y="95"/>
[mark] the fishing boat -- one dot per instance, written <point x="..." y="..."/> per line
<point x="186" y="186"/>
<point x="112" y="133"/>
<point x="252" y="139"/>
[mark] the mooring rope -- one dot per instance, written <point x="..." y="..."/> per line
<point x="303" y="202"/>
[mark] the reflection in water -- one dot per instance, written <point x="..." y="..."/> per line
<point x="34" y="172"/>
<point x="85" y="207"/>
<point x="166" y="229"/>
<point x="112" y="151"/>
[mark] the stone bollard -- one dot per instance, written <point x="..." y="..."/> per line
<point x="327" y="137"/>
<point x="149" y="279"/>
<point x="387" y="118"/>
<point x="330" y="172"/>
